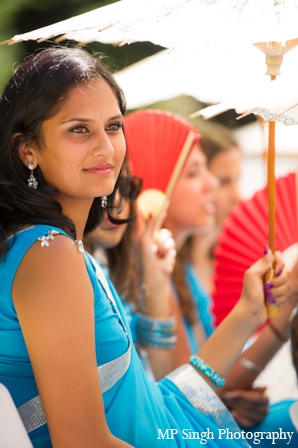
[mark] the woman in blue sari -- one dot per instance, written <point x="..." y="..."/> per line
<point x="66" y="354"/>
<point x="190" y="212"/>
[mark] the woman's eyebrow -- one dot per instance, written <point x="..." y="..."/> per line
<point x="86" y="120"/>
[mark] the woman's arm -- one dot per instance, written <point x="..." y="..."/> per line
<point x="224" y="346"/>
<point x="157" y="255"/>
<point x="270" y="340"/>
<point x="53" y="297"/>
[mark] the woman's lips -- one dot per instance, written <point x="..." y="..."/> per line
<point x="108" y="225"/>
<point x="209" y="207"/>
<point x="101" y="169"/>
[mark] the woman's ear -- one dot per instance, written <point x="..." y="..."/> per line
<point x="26" y="152"/>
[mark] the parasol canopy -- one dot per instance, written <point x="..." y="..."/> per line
<point x="180" y="23"/>
<point x="277" y="101"/>
<point x="167" y="75"/>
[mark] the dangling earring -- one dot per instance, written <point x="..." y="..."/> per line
<point x="104" y="201"/>
<point x="32" y="182"/>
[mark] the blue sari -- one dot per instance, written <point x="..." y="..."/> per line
<point x="176" y="412"/>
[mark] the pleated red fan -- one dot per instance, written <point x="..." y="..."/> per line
<point x="244" y="238"/>
<point x="154" y="141"/>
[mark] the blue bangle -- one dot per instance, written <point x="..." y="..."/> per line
<point x="156" y="332"/>
<point x="199" y="364"/>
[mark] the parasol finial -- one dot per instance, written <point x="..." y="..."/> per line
<point x="274" y="52"/>
<point x="273" y="63"/>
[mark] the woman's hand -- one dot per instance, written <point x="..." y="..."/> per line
<point x="157" y="249"/>
<point x="157" y="254"/>
<point x="224" y="346"/>
<point x="254" y="291"/>
<point x="293" y="286"/>
<point x="248" y="407"/>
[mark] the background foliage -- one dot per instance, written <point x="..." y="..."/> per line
<point x="20" y="16"/>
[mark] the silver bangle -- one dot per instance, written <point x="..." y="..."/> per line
<point x="250" y="365"/>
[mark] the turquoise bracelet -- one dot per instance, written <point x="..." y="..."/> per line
<point x="156" y="332"/>
<point x="199" y="364"/>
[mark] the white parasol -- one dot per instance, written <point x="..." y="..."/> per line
<point x="210" y="78"/>
<point x="181" y="23"/>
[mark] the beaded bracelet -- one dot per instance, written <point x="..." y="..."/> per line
<point x="199" y="364"/>
<point x="157" y="332"/>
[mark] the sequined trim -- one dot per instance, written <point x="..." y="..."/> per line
<point x="45" y="239"/>
<point x="102" y="278"/>
<point x="80" y="246"/>
<point x="20" y="231"/>
<point x="203" y="398"/>
<point x="32" y="413"/>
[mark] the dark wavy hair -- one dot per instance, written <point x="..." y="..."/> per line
<point x="33" y="95"/>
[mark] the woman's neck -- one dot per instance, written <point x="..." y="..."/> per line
<point x="78" y="212"/>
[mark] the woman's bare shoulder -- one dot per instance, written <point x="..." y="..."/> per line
<point x="53" y="266"/>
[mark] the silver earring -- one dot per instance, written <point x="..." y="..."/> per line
<point x="32" y="182"/>
<point x="104" y="201"/>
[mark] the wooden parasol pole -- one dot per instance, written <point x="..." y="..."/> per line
<point x="272" y="309"/>
<point x="274" y="52"/>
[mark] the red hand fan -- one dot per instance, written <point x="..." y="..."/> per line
<point x="244" y="238"/>
<point x="158" y="145"/>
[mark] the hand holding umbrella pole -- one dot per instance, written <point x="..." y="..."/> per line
<point x="274" y="57"/>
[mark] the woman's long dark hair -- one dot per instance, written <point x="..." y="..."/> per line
<point x="36" y="92"/>
<point x="126" y="276"/>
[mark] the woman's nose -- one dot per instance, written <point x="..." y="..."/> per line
<point x="103" y="146"/>
<point x="236" y="196"/>
<point x="212" y="181"/>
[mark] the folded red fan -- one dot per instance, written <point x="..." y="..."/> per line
<point x="155" y="139"/>
<point x="244" y="237"/>
<point x="158" y="144"/>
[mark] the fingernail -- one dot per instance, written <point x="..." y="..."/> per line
<point x="271" y="301"/>
<point x="268" y="294"/>
<point x="161" y="253"/>
<point x="266" y="250"/>
<point x="230" y="395"/>
<point x="278" y="272"/>
<point x="268" y="285"/>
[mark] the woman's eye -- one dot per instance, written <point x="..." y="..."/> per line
<point x="114" y="126"/>
<point x="224" y="181"/>
<point x="79" y="130"/>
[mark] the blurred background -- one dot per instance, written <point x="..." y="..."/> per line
<point x="20" y="16"/>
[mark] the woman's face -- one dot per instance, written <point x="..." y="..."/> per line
<point x="226" y="167"/>
<point x="192" y="201"/>
<point x="83" y="144"/>
<point x="108" y="235"/>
